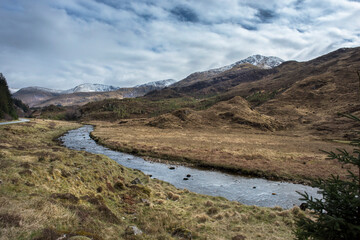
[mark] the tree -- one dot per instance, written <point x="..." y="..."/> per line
<point x="337" y="215"/>
<point x="6" y="103"/>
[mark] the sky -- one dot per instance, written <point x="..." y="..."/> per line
<point x="61" y="44"/>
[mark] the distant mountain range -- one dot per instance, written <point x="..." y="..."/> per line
<point x="82" y="94"/>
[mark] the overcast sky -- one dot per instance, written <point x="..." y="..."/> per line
<point x="62" y="43"/>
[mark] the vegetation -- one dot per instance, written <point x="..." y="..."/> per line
<point x="49" y="192"/>
<point x="21" y="105"/>
<point x="7" y="107"/>
<point x="260" y="97"/>
<point x="277" y="155"/>
<point x="113" y="109"/>
<point x="337" y="215"/>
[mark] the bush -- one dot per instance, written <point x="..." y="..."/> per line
<point x="337" y="214"/>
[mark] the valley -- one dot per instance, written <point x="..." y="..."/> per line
<point x="255" y="118"/>
<point x="48" y="190"/>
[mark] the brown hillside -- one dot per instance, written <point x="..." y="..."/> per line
<point x="235" y="112"/>
<point x="208" y="83"/>
<point x="32" y="96"/>
<point x="322" y="88"/>
<point x="80" y="98"/>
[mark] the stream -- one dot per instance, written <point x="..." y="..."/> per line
<point x="246" y="190"/>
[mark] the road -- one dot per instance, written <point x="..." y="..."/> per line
<point x="21" y="120"/>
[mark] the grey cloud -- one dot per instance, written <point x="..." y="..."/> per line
<point x="59" y="44"/>
<point x="184" y="14"/>
<point x="265" y="15"/>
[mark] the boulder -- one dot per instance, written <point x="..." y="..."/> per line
<point x="136" y="181"/>
<point x="133" y="230"/>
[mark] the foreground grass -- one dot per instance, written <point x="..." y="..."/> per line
<point x="48" y="191"/>
<point x="274" y="155"/>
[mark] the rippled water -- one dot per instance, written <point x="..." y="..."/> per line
<point x="250" y="191"/>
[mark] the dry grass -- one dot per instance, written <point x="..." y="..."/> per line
<point x="278" y="155"/>
<point x="48" y="191"/>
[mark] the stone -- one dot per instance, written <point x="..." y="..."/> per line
<point x="133" y="230"/>
<point x="65" y="173"/>
<point x="182" y="234"/>
<point x="120" y="185"/>
<point x="146" y="202"/>
<point x="136" y="181"/>
<point x="273" y="194"/>
<point x="304" y="206"/>
<point x="238" y="237"/>
<point x="188" y="175"/>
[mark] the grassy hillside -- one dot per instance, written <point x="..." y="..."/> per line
<point x="48" y="192"/>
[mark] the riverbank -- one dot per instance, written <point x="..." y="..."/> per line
<point x="48" y="190"/>
<point x="281" y="155"/>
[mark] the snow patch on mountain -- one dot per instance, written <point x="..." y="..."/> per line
<point x="256" y="60"/>
<point x="90" y="87"/>
<point x="158" y="84"/>
<point x="13" y="90"/>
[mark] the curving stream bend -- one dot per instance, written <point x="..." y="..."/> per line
<point x="250" y="191"/>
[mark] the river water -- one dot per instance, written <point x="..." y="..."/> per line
<point x="250" y="191"/>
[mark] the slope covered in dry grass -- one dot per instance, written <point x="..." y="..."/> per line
<point x="284" y="155"/>
<point x="48" y="192"/>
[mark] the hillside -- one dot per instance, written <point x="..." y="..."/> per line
<point x="35" y="95"/>
<point x="7" y="107"/>
<point x="51" y="192"/>
<point x="78" y="98"/>
<point x="234" y="113"/>
<point x="308" y="94"/>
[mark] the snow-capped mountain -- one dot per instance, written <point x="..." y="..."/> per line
<point x="262" y="61"/>
<point x="38" y="96"/>
<point x="158" y="84"/>
<point x="90" y="87"/>
<point x="256" y="60"/>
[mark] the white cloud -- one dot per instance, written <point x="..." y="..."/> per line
<point x="59" y="44"/>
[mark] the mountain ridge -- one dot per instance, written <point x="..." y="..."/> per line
<point x="36" y="96"/>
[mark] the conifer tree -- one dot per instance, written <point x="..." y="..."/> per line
<point x="6" y="102"/>
<point x="337" y="215"/>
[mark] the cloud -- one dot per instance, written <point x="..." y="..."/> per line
<point x="59" y="44"/>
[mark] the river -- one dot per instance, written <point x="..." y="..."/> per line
<point x="246" y="190"/>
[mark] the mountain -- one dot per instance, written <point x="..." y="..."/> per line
<point x="250" y="63"/>
<point x="90" y="87"/>
<point x="301" y="95"/>
<point x="34" y="95"/>
<point x="84" y="93"/>
<point x="256" y="60"/>
<point x="158" y="84"/>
